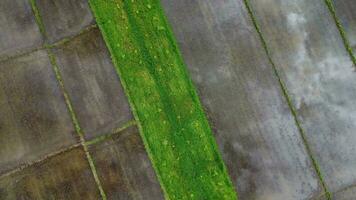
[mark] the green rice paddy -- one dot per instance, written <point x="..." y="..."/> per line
<point x="172" y="122"/>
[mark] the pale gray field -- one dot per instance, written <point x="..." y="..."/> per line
<point x="255" y="130"/>
<point x="320" y="77"/>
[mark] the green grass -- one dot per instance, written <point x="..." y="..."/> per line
<point x="165" y="104"/>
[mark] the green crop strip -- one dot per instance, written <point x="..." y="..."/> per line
<point x="288" y="99"/>
<point x="170" y="118"/>
<point x="346" y="42"/>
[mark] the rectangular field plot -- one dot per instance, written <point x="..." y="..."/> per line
<point x="64" y="176"/>
<point x="34" y="120"/>
<point x="19" y="31"/>
<point x="92" y="84"/>
<point x="64" y="18"/>
<point x="124" y="168"/>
